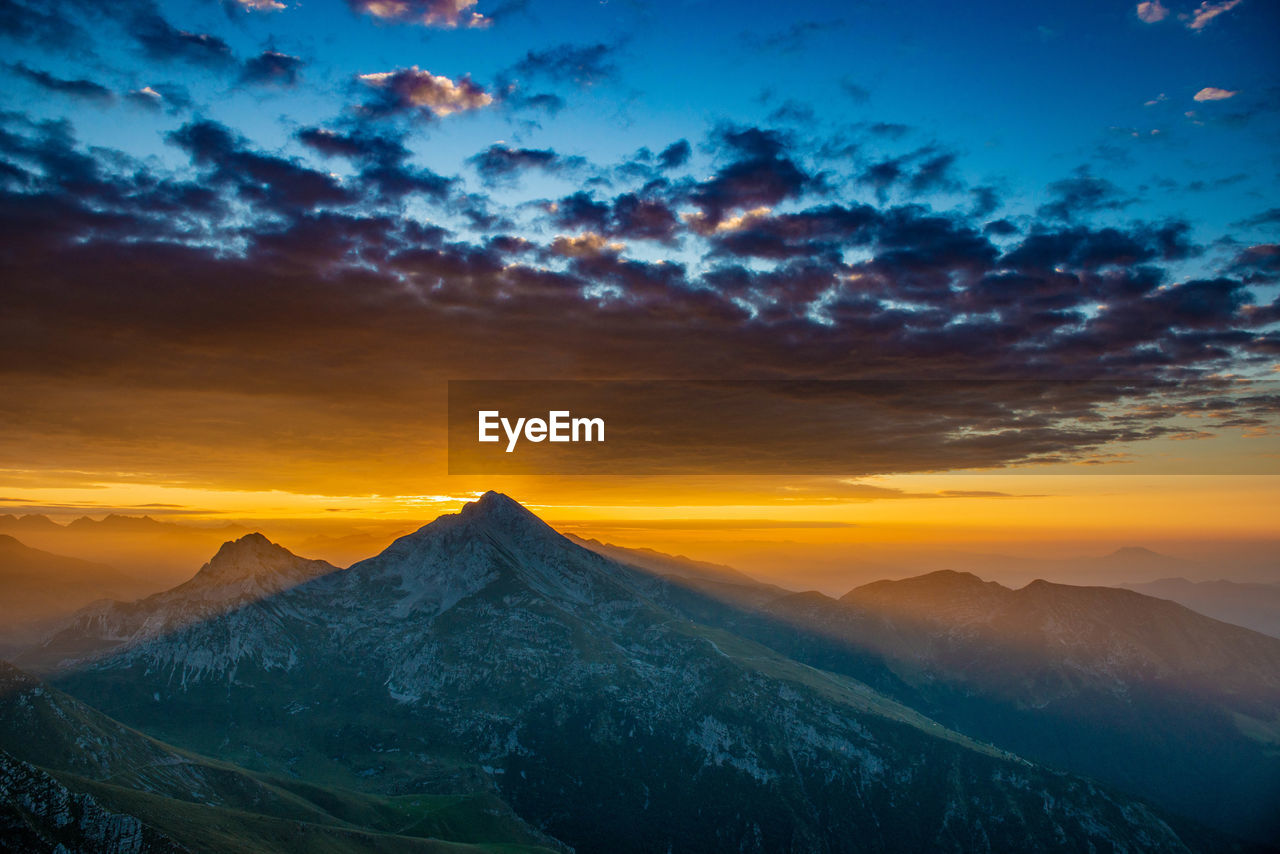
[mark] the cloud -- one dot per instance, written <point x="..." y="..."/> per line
<point x="448" y="14"/>
<point x="160" y="40"/>
<point x="308" y="306"/>
<point x="585" y="245"/>
<point x="630" y="215"/>
<point x="1213" y="93"/>
<point x="83" y="89"/>
<point x="810" y="233"/>
<point x="675" y="155"/>
<point x="274" y="182"/>
<point x="1084" y="248"/>
<point x="1083" y="193"/>
<point x="261" y="5"/>
<point x="1271" y="216"/>
<point x="412" y="89"/>
<point x="1207" y="11"/>
<point x="583" y="65"/>
<point x="384" y="170"/>
<point x="273" y="67"/>
<point x="921" y="171"/>
<point x="986" y="201"/>
<point x="935" y="173"/>
<point x="1152" y="12"/>
<point x="1260" y="264"/>
<point x="161" y="96"/>
<point x="759" y="173"/>
<point x="41" y="23"/>
<point x="499" y="162"/>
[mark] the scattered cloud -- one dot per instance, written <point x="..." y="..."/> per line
<point x="161" y="96"/>
<point x="86" y="90"/>
<point x="1207" y="11"/>
<point x="1152" y="11"/>
<point x="584" y="245"/>
<point x="261" y="5"/>
<point x="448" y="14"/>
<point x="162" y="41"/>
<point x="1213" y="93"/>
<point x="500" y="163"/>
<point x="412" y="89"/>
<point x="1271" y="216"/>
<point x="273" y="68"/>
<point x="1082" y="193"/>
<point x="582" y="65"/>
<point x="675" y="155"/>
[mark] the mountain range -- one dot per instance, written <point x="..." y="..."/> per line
<point x="1136" y="691"/>
<point x="621" y="700"/>
<point x="1254" y="606"/>
<point x="157" y="553"/>
<point x="40" y="587"/>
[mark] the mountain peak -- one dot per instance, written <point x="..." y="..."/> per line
<point x="494" y="504"/>
<point x="254" y="543"/>
<point x="253" y="556"/>
<point x="503" y="511"/>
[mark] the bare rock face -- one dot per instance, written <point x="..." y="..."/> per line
<point x="39" y="814"/>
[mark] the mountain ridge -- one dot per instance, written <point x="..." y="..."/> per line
<point x="602" y="715"/>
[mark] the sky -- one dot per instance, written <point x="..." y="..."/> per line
<point x="246" y="244"/>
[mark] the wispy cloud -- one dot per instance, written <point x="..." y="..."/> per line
<point x="1207" y="11"/>
<point x="80" y="88"/>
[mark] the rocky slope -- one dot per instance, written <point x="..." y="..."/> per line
<point x="39" y="814"/>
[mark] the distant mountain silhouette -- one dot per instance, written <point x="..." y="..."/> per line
<point x="39" y="587"/>
<point x="158" y="552"/>
<point x="1254" y="606"/>
<point x="1131" y="563"/>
